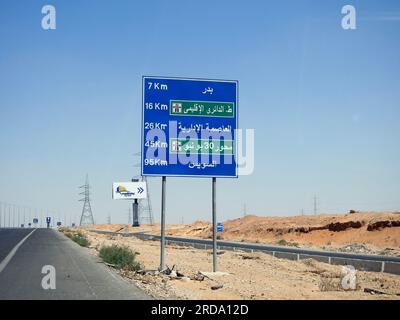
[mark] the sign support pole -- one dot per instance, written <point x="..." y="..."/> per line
<point x="162" y="254"/>
<point x="214" y="222"/>
<point x="135" y="211"/>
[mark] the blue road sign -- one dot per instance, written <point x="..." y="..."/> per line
<point x="220" y="227"/>
<point x="188" y="127"/>
<point x="48" y="219"/>
<point x="35" y="220"/>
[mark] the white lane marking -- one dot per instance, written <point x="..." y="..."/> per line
<point x="7" y="259"/>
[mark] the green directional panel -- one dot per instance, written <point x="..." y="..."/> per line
<point x="202" y="146"/>
<point x="202" y="108"/>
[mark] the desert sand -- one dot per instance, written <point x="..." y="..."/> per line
<point x="259" y="275"/>
<point x="362" y="232"/>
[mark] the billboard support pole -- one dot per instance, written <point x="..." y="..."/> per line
<point x="214" y="222"/>
<point x="162" y="253"/>
<point x="135" y="212"/>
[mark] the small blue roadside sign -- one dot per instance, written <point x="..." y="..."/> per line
<point x="189" y="127"/>
<point x="35" y="220"/>
<point x="220" y="227"/>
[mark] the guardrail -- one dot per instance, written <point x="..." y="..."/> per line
<point x="374" y="263"/>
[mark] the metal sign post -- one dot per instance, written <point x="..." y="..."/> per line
<point x="48" y="221"/>
<point x="214" y="222"/>
<point x="162" y="253"/>
<point x="135" y="212"/>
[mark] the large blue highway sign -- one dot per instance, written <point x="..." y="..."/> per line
<point x="189" y="127"/>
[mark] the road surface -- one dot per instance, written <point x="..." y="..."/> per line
<point x="79" y="275"/>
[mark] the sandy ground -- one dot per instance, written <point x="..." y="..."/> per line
<point x="299" y="231"/>
<point x="246" y="276"/>
<point x="303" y="231"/>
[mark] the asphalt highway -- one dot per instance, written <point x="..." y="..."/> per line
<point x="78" y="274"/>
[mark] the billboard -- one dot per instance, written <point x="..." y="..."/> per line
<point x="129" y="190"/>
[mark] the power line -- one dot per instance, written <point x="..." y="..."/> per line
<point x="315" y="205"/>
<point x="129" y="216"/>
<point x="15" y="215"/>
<point x="145" y="207"/>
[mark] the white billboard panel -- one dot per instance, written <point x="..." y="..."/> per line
<point x="129" y="190"/>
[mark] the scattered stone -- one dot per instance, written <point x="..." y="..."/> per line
<point x="338" y="226"/>
<point x="198" y="277"/>
<point x="379" y="225"/>
<point x="373" y="291"/>
<point x="356" y="248"/>
<point x="217" y="286"/>
<point x="167" y="270"/>
<point x="185" y="279"/>
<point x="111" y="265"/>
<point x="250" y="256"/>
<point x="179" y="274"/>
<point x="212" y="275"/>
<point x="148" y="272"/>
<point x="141" y="272"/>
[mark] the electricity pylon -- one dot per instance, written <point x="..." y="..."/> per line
<point x="315" y="204"/>
<point x="145" y="209"/>
<point x="87" y="215"/>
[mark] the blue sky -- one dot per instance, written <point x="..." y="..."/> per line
<point x="324" y="102"/>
